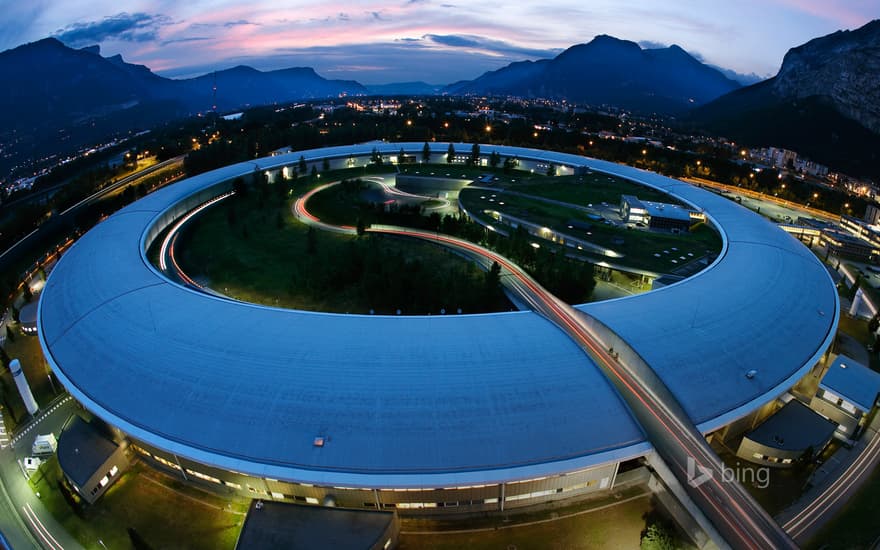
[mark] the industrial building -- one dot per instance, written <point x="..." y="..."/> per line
<point x="658" y="215"/>
<point x="794" y="433"/>
<point x="463" y="413"/>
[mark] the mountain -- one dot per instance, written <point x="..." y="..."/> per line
<point x="824" y="103"/>
<point x="610" y="71"/>
<point x="57" y="99"/>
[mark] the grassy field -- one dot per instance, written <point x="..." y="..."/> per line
<point x="590" y="189"/>
<point x="641" y="249"/>
<point x="619" y="526"/>
<point x="165" y="513"/>
<point x="254" y="250"/>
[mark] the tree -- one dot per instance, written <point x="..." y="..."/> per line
<point x="494" y="159"/>
<point x="10" y="335"/>
<point x="426" y="152"/>
<point x="15" y="313"/>
<point x="238" y="186"/>
<point x="551" y="169"/>
<point x="325" y="165"/>
<point x="509" y="165"/>
<point x="361" y="227"/>
<point x="314" y="171"/>
<point x="376" y="157"/>
<point x="303" y="167"/>
<point x="27" y="294"/>
<point x="493" y="284"/>
<point x="311" y="241"/>
<point x="475" y="154"/>
<point x="450" y="154"/>
<point x="658" y="537"/>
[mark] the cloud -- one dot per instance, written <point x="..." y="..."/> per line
<point x="125" y="27"/>
<point x="239" y="23"/>
<point x="186" y="39"/>
<point x="488" y="45"/>
<point x="652" y="45"/>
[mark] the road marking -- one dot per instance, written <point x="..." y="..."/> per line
<point x="40" y="529"/>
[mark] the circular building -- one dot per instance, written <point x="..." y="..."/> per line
<point x="467" y="413"/>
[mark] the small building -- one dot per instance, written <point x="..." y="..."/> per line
<point x="280" y="525"/>
<point x="846" y="245"/>
<point x="658" y="215"/>
<point x="794" y="432"/>
<point x="90" y="461"/>
<point x="847" y="394"/>
<point x="27" y="318"/>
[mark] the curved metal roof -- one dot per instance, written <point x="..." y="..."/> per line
<point x="418" y="401"/>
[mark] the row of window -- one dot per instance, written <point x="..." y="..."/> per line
<point x="105" y="480"/>
<point x="838" y="401"/>
<point x="773" y="459"/>
<point x="603" y="484"/>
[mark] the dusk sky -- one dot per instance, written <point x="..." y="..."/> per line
<point x="438" y="41"/>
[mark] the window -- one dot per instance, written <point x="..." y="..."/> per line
<point x="830" y="397"/>
<point x="200" y="475"/>
<point x="168" y="463"/>
<point x="277" y="495"/>
<point x="233" y="485"/>
<point x="311" y="500"/>
<point x="104" y="481"/>
<point x="848" y="407"/>
<point x="142" y="451"/>
<point x="113" y="471"/>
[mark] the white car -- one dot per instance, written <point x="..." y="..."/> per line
<point x="32" y="464"/>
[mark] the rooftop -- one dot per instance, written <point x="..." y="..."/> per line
<point x="82" y="449"/>
<point x="853" y="381"/>
<point x="419" y="401"/>
<point x="794" y="427"/>
<point x="279" y="525"/>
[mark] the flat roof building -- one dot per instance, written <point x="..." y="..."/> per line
<point x="284" y="526"/>
<point x="658" y="215"/>
<point x="847" y="394"/>
<point x="795" y="431"/>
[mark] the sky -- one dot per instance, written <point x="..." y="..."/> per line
<point x="436" y="41"/>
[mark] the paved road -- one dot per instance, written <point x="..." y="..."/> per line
<point x="23" y="518"/>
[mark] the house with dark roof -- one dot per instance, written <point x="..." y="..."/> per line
<point x="90" y="461"/>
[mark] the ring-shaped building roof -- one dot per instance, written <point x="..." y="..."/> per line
<point x="417" y="401"/>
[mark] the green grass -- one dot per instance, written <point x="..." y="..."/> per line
<point x="591" y="189"/>
<point x="638" y="247"/>
<point x="166" y="514"/>
<point x="855" y="526"/>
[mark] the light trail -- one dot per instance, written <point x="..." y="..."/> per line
<point x="851" y="477"/>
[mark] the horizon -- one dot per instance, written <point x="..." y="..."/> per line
<point x="420" y="40"/>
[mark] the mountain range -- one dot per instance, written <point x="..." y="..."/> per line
<point x="824" y="103"/>
<point x="610" y="71"/>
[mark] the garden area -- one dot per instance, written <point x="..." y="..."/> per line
<point x="251" y="248"/>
